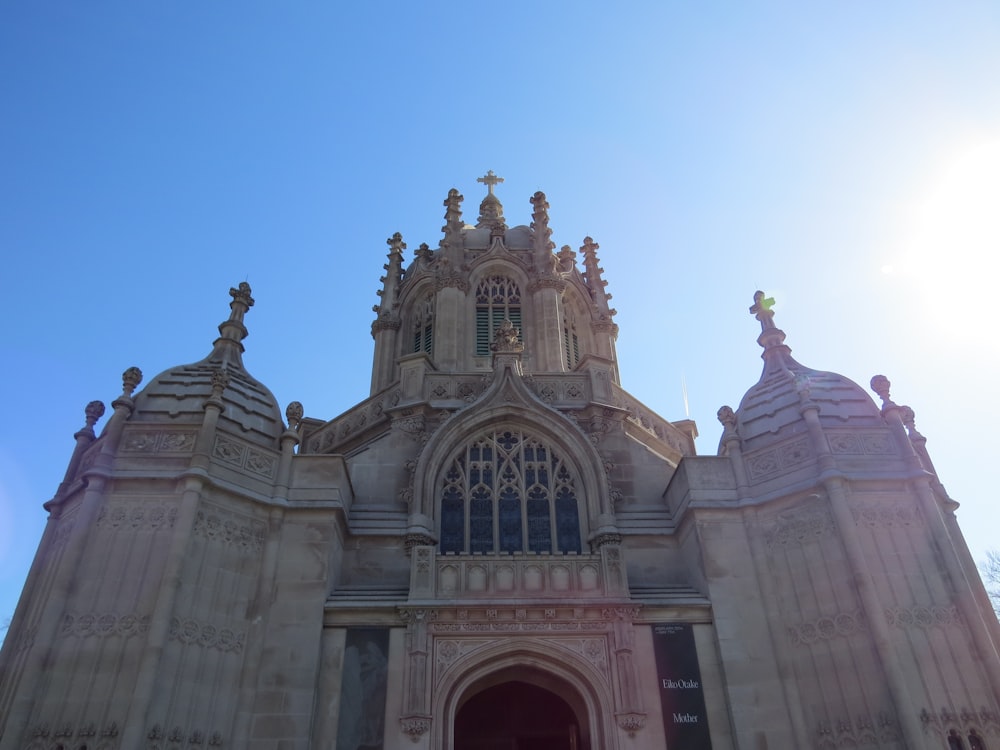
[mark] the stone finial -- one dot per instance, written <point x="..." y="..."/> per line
<point x="220" y="379"/>
<point x="241" y="294"/>
<point x="93" y="412"/>
<point x="453" y="213"/>
<point x="540" y="226"/>
<point x="424" y="254"/>
<point x="592" y="276"/>
<point x="294" y="414"/>
<point x="567" y="259"/>
<point x="505" y="338"/>
<point x="880" y="384"/>
<point x="761" y="309"/>
<point x="394" y="274"/>
<point x="130" y="379"/>
<point x="909" y="421"/>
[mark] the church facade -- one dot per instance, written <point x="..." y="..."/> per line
<point x="499" y="548"/>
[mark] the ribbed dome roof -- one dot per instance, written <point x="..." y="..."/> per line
<point x="178" y="394"/>
<point x="770" y="411"/>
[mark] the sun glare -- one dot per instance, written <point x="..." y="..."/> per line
<point x="951" y="239"/>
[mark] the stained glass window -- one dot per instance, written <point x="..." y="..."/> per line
<point x="507" y="491"/>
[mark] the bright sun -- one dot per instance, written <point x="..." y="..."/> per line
<point x="951" y="247"/>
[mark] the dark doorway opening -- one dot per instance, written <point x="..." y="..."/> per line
<point x="516" y="716"/>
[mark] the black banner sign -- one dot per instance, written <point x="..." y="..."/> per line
<point x="682" y="697"/>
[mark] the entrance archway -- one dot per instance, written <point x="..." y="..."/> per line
<point x="517" y="715"/>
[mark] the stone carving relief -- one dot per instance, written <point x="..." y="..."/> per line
<point x="145" y="441"/>
<point x="965" y="720"/>
<point x="25" y="640"/>
<point x="863" y="731"/>
<point x="517" y="575"/>
<point x="874" y="443"/>
<point x="136" y="516"/>
<point x="56" y="734"/>
<point x="191" y="632"/>
<point x="798" y="528"/>
<point x="779" y="459"/>
<point x="367" y="414"/>
<point x="878" y="515"/>
<point x="103" y="624"/>
<point x="245" y="456"/>
<point x="177" y="737"/>
<point x="216" y="525"/>
<point x="63" y="532"/>
<point x="923" y="617"/>
<point x="842" y="624"/>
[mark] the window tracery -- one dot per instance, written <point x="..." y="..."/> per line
<point x="507" y="491"/>
<point x="497" y="298"/>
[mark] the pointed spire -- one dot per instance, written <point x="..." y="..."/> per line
<point x="491" y="210"/>
<point x="390" y="282"/>
<point x="543" y="243"/>
<point x="592" y="275"/>
<point x="453" y="214"/>
<point x="228" y="347"/>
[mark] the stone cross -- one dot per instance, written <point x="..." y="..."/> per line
<point x="489" y="179"/>
<point x="761" y="310"/>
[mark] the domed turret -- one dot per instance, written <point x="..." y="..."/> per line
<point x="178" y="394"/>
<point x="771" y="410"/>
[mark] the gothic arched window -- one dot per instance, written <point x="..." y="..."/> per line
<point x="571" y="341"/>
<point x="509" y="492"/>
<point x="423" y="325"/>
<point x="497" y="297"/>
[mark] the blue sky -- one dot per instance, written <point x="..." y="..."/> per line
<point x="844" y="157"/>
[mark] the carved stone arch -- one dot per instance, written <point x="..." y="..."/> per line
<point x="534" y="661"/>
<point x="537" y="419"/>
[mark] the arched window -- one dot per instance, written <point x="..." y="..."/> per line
<point x="423" y="324"/>
<point x="509" y="492"/>
<point x="497" y="297"/>
<point x="955" y="741"/>
<point x="571" y="341"/>
<point x="975" y="741"/>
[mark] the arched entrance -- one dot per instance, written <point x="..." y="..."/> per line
<point x="517" y="715"/>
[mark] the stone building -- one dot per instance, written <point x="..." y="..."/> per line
<point x="499" y="548"/>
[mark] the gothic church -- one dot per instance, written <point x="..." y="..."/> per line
<point x="499" y="548"/>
